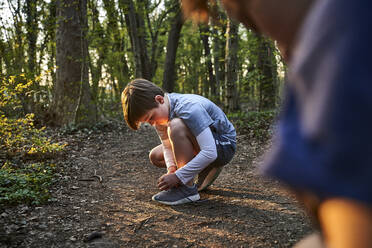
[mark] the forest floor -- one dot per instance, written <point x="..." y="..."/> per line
<point x="240" y="209"/>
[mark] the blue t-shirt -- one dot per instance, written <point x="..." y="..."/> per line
<point x="324" y="141"/>
<point x="198" y="113"/>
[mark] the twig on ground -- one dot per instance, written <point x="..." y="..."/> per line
<point x="100" y="178"/>
<point x="142" y="222"/>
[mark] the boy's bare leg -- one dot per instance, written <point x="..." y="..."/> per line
<point x="345" y="223"/>
<point x="156" y="156"/>
<point x="313" y="240"/>
<point x="184" y="144"/>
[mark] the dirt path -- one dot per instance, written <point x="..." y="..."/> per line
<point x="240" y="210"/>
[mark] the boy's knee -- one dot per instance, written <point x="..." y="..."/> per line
<point x="156" y="159"/>
<point x="152" y="157"/>
<point x="177" y="128"/>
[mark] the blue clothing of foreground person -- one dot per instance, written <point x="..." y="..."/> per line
<point x="323" y="148"/>
<point x="325" y="133"/>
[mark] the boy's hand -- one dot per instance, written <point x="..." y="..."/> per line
<point x="168" y="181"/>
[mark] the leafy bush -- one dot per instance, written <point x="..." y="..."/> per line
<point x="13" y="90"/>
<point x="257" y="125"/>
<point x="19" y="138"/>
<point x="25" y="185"/>
<point x="25" y="172"/>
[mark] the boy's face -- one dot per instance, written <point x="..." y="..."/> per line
<point x="158" y="115"/>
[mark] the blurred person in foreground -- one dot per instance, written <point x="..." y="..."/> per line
<point x="323" y="147"/>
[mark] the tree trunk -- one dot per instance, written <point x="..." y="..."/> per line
<point x="72" y="100"/>
<point x="50" y="29"/>
<point x="170" y="59"/>
<point x="231" y="68"/>
<point x="31" y="36"/>
<point x="86" y="111"/>
<point x="218" y="45"/>
<point x="1" y="61"/>
<point x="142" y="36"/>
<point x="116" y="60"/>
<point x="32" y="31"/>
<point x="266" y="65"/>
<point x="96" y="70"/>
<point x="204" y="30"/>
<point x="19" y="56"/>
<point x="131" y="22"/>
<point x="137" y="30"/>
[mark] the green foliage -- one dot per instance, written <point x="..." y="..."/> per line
<point x="12" y="88"/>
<point x="112" y="56"/>
<point x="24" y="150"/>
<point x="257" y="53"/>
<point x="191" y="70"/>
<point x="19" y="138"/>
<point x="28" y="185"/>
<point x="256" y="125"/>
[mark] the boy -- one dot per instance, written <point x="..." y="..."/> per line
<point x="323" y="149"/>
<point x="196" y="138"/>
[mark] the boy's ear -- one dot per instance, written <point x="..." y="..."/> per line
<point x="159" y="99"/>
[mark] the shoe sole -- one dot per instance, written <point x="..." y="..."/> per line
<point x="210" y="178"/>
<point x="188" y="199"/>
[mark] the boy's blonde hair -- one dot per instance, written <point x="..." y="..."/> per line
<point x="137" y="99"/>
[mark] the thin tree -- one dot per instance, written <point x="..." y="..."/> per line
<point x="172" y="45"/>
<point x="267" y="68"/>
<point x="114" y="50"/>
<point x="72" y="99"/>
<point x="134" y="18"/>
<point x="211" y="79"/>
<point x="31" y="35"/>
<point x="218" y="48"/>
<point x="231" y="66"/>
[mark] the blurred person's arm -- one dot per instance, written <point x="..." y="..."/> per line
<point x="345" y="223"/>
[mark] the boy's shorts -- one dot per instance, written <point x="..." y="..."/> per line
<point x="225" y="150"/>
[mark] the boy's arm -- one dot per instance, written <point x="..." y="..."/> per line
<point x="167" y="148"/>
<point x="207" y="154"/>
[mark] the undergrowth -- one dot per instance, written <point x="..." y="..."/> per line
<point x="256" y="125"/>
<point x="26" y="170"/>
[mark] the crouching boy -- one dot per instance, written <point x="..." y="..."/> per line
<point x="196" y="138"/>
